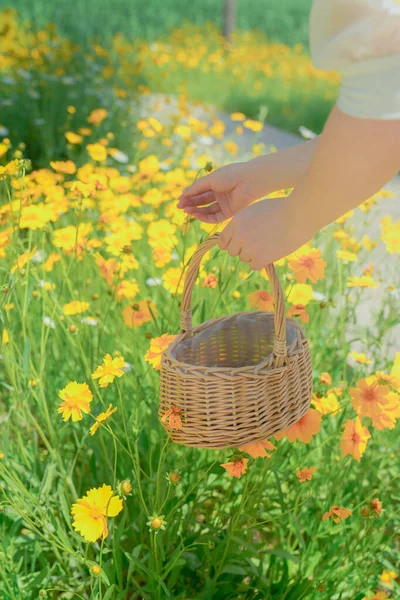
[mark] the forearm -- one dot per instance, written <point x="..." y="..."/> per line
<point x="353" y="160"/>
<point x="280" y="170"/>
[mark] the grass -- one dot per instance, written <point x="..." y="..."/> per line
<point x="87" y="19"/>
<point x="93" y="250"/>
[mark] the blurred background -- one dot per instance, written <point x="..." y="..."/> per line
<point x="61" y="60"/>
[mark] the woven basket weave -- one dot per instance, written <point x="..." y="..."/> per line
<point x="237" y="379"/>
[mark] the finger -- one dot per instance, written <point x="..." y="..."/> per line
<point x="211" y="209"/>
<point x="245" y="256"/>
<point x="197" y="200"/>
<point x="204" y="184"/>
<point x="234" y="247"/>
<point x="202" y="215"/>
<point x="225" y="236"/>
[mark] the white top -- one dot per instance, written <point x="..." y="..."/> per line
<point x="361" y="39"/>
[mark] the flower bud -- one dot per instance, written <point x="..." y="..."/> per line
<point x="95" y="570"/>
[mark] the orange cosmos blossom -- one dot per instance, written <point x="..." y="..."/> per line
<point x="304" y="429"/>
<point x="236" y="468"/>
<point x="257" y="449"/>
<point x="173" y="415"/>
<point x="305" y="474"/>
<point x="137" y="314"/>
<point x="262" y="300"/>
<point x="157" y="347"/>
<point x="369" y="398"/>
<point x="109" y="370"/>
<point x="355" y="439"/>
<point x="391" y="412"/>
<point x="298" y="310"/>
<point x="308" y="265"/>
<point x="337" y="513"/>
<point x="376" y="506"/>
<point x="378" y="596"/>
<point x="325" y="378"/>
<point x="101" y="418"/>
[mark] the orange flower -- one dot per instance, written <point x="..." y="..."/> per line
<point x="378" y="596"/>
<point x="325" y="378"/>
<point x="236" y="468"/>
<point x="376" y="506"/>
<point x="369" y="398"/>
<point x="257" y="450"/>
<point x="262" y="300"/>
<point x="337" y="513"/>
<point x="298" y="310"/>
<point x="309" y="265"/>
<point x="157" y="347"/>
<point x="391" y="412"/>
<point x="305" y="474"/>
<point x="135" y="318"/>
<point x="304" y="429"/>
<point x="210" y="281"/>
<point x="173" y="415"/>
<point x="355" y="439"/>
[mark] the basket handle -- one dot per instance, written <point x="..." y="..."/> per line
<point x="279" y="348"/>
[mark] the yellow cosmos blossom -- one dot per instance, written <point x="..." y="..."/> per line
<point x="68" y="167"/>
<point x="72" y="238"/>
<point x="35" y="216"/>
<point x="174" y="280"/>
<point x="97" y="152"/>
<point x="368" y="243"/>
<point x="127" y="289"/>
<point x="346" y="255"/>
<point x="363" y="281"/>
<point x="51" y="260"/>
<point x="75" y="307"/>
<point x="161" y="256"/>
<point x="355" y="438"/>
<point x="23" y="259"/>
<point x="300" y="293"/>
<point x="255" y="126"/>
<point x="73" y="138"/>
<point x="238" y="116"/>
<point x="97" y="116"/>
<point x="5" y="338"/>
<point x="157" y="347"/>
<point x="328" y="404"/>
<point x="386" y="419"/>
<point x="231" y="147"/>
<point x="184" y="131"/>
<point x="92" y="511"/>
<point x="10" y="169"/>
<point x="109" y="370"/>
<point x="360" y="358"/>
<point x="391" y="235"/>
<point x="345" y="217"/>
<point x="396" y="366"/>
<point x="161" y="233"/>
<point x="101" y="418"/>
<point x="76" y="400"/>
<point x="149" y="165"/>
<point x="388" y="577"/>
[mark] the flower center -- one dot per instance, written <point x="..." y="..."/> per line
<point x="307" y="261"/>
<point x="95" y="512"/>
<point x="369" y="395"/>
<point x="356" y="438"/>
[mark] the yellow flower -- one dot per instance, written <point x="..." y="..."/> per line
<point x="35" y="216"/>
<point x="149" y="165"/>
<point x="75" y="307"/>
<point x="101" y="418"/>
<point x="5" y="338"/>
<point x="110" y="369"/>
<point x="174" y="280"/>
<point x="300" y="293"/>
<point x="73" y="138"/>
<point x="157" y="347"/>
<point x="127" y="289"/>
<point x="363" y="281"/>
<point x="91" y="512"/>
<point x="68" y="167"/>
<point x="139" y="313"/>
<point x="346" y="255"/>
<point x="387" y="577"/>
<point x="10" y="169"/>
<point x="23" y="259"/>
<point x="238" y="116"/>
<point x="326" y="405"/>
<point x="391" y="235"/>
<point x="360" y="358"/>
<point x="97" y="116"/>
<point x="97" y="152"/>
<point x="76" y="400"/>
<point x="253" y="125"/>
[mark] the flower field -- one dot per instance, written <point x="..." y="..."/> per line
<point x="96" y="502"/>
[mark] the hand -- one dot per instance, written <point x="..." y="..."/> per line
<point x="219" y="195"/>
<point x="265" y="232"/>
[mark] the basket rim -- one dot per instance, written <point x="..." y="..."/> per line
<point x="181" y="337"/>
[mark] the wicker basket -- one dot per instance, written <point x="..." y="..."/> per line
<point x="237" y="379"/>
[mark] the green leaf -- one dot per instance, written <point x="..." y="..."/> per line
<point x="26" y="355"/>
<point x="234" y="569"/>
<point x="109" y="592"/>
